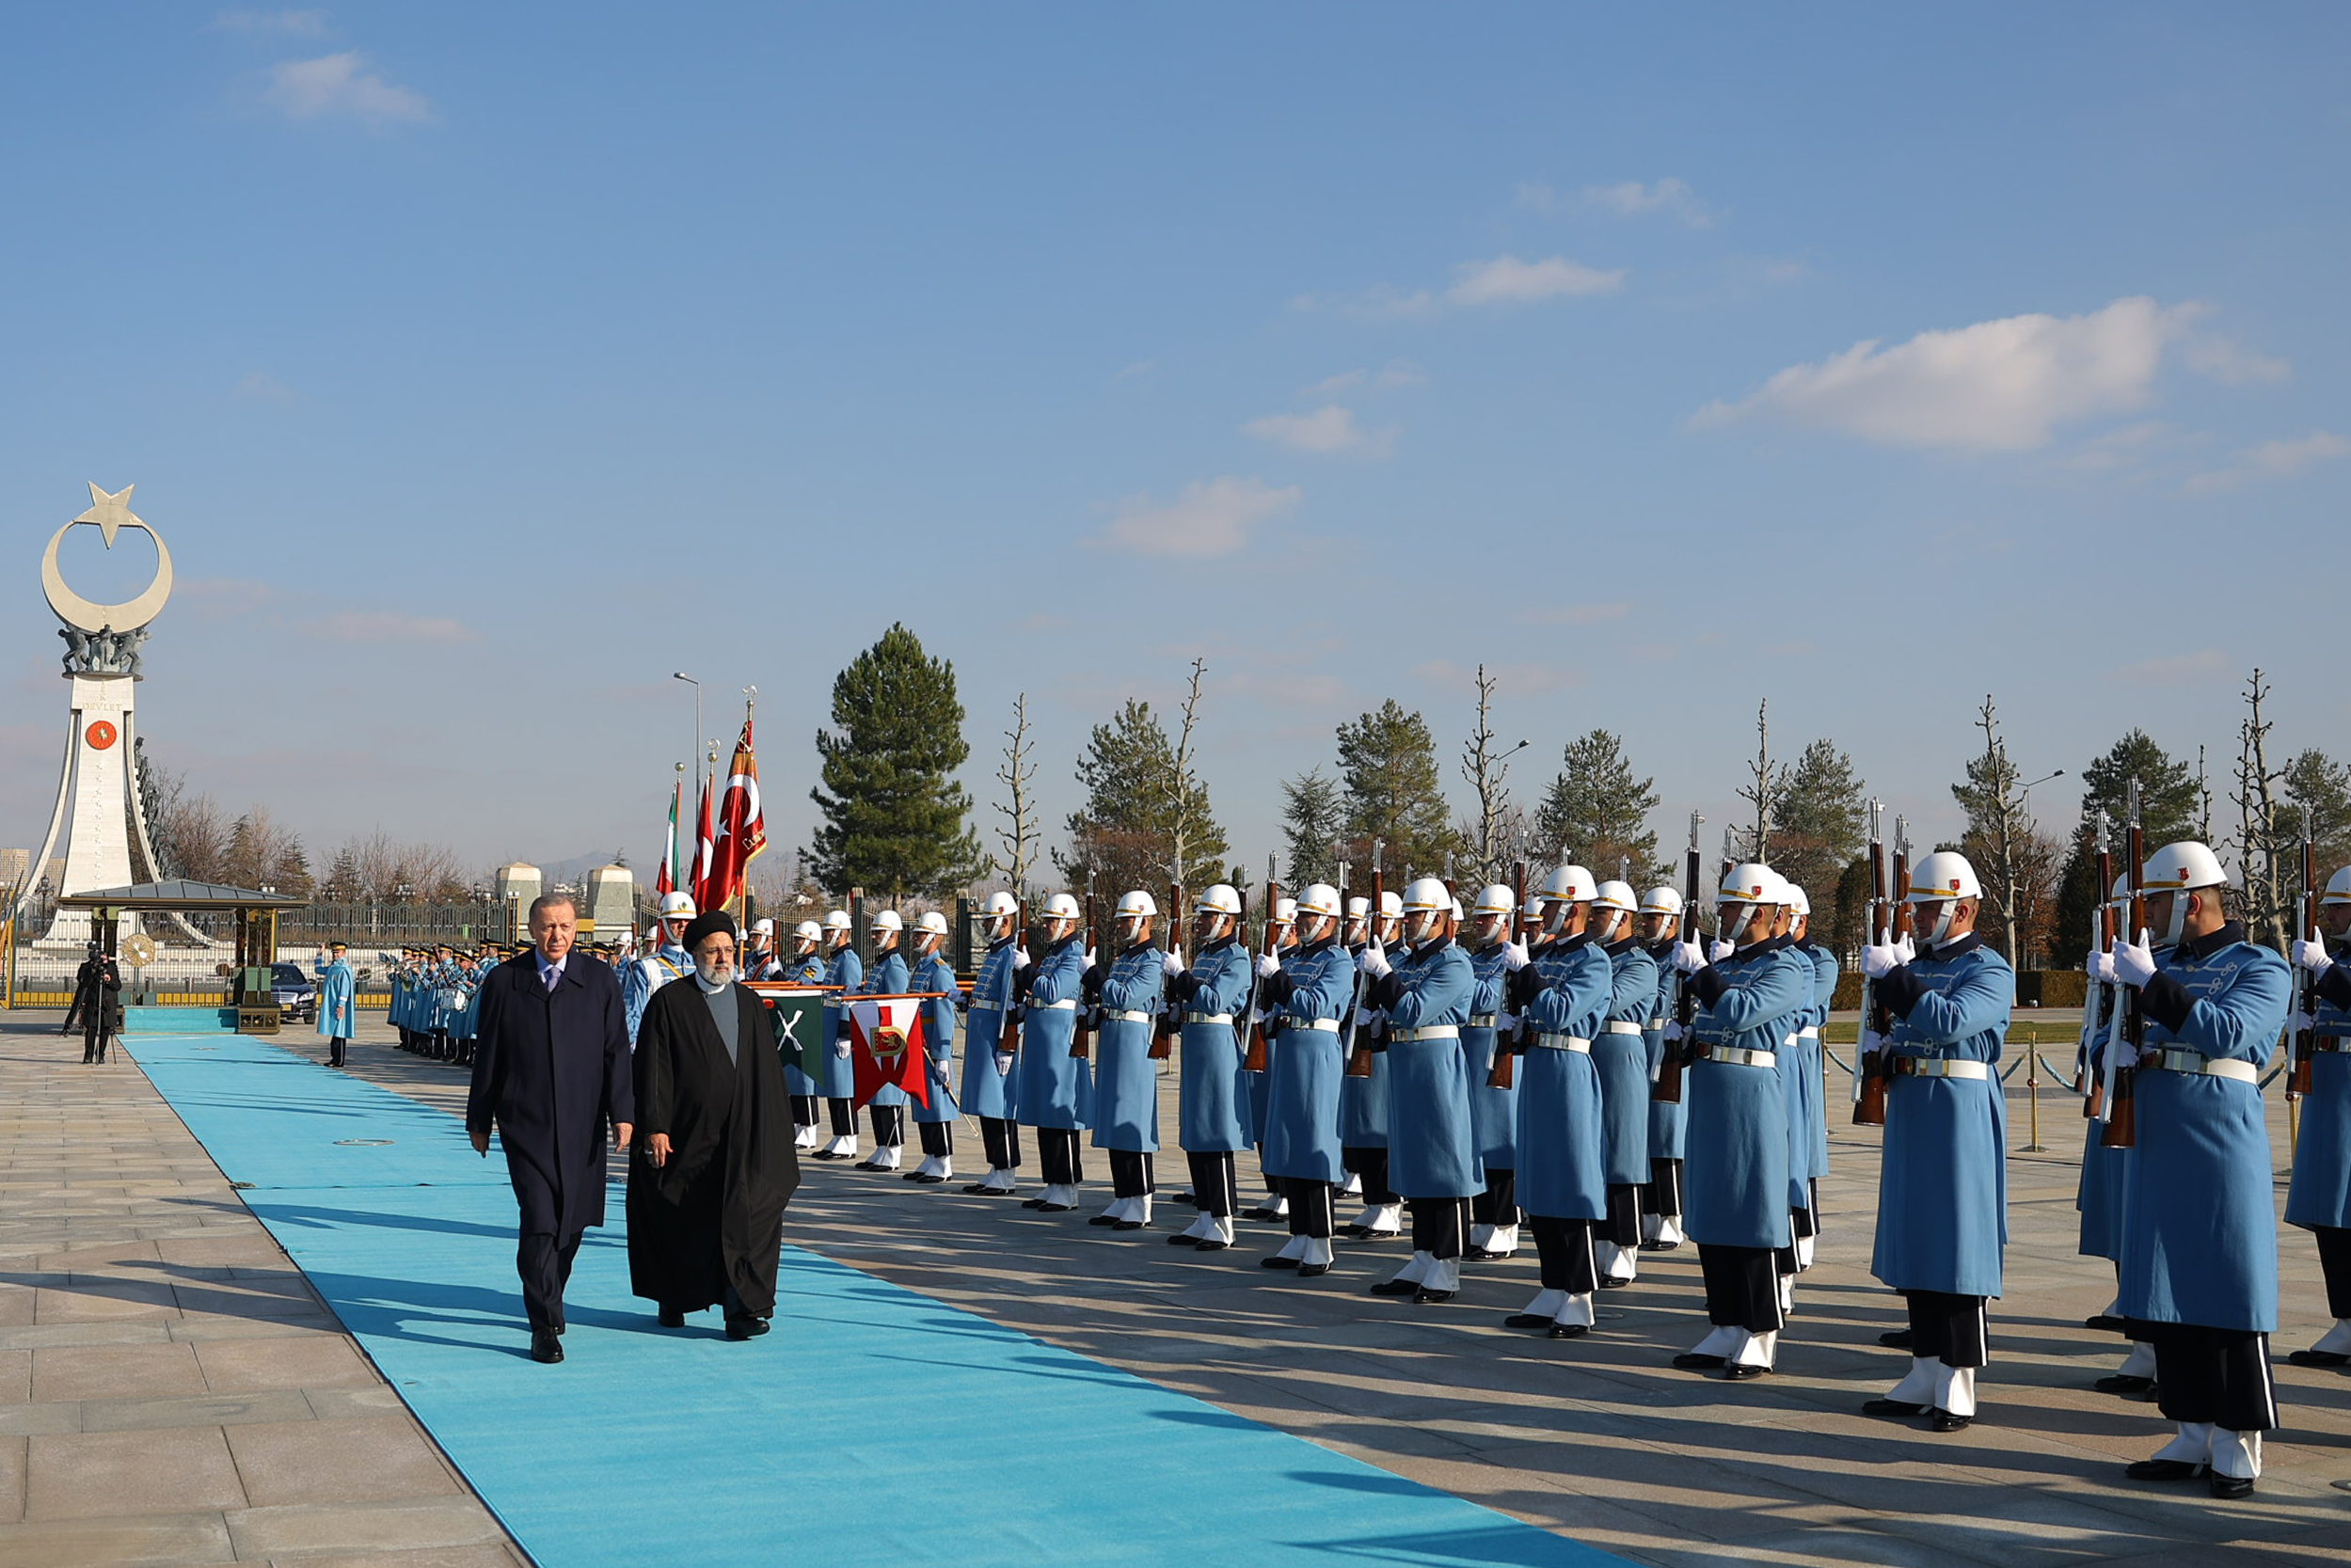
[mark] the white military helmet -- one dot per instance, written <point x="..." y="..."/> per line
<point x="1219" y="899"/>
<point x="1426" y="896"/>
<point x="1320" y="898"/>
<point x="1062" y="907"/>
<point x="808" y="928"/>
<point x="1613" y="894"/>
<point x="932" y="923"/>
<point x="886" y="921"/>
<point x="1361" y="909"/>
<point x="836" y="920"/>
<point x="1796" y="899"/>
<point x="1494" y="898"/>
<point x="1391" y="906"/>
<point x="678" y="906"/>
<point x="1662" y="901"/>
<point x="1138" y="905"/>
<point x="1285" y="911"/>
<point x="2338" y="888"/>
<point x="1946" y="874"/>
<point x="1570" y="884"/>
<point x="999" y="903"/>
<point x="1750" y="883"/>
<point x="763" y="927"/>
<point x="2181" y="866"/>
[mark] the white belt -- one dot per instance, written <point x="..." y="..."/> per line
<point x="1939" y="1067"/>
<point x="1810" y="1032"/>
<point x="1740" y="1056"/>
<point x="1126" y="1017"/>
<point x="1208" y="1017"/>
<point x="1564" y="1042"/>
<point x="1434" y="1032"/>
<point x="1068" y="1005"/>
<point x="1622" y="1026"/>
<point x="986" y="1006"/>
<point x="1329" y="1025"/>
<point x="1482" y="1021"/>
<point x="2196" y="1064"/>
<point x="1657" y="1023"/>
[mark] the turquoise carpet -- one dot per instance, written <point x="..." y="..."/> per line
<point x="874" y="1426"/>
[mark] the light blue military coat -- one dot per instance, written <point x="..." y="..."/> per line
<point x="1800" y="1070"/>
<point x="1054" y="1088"/>
<point x="1942" y="1192"/>
<point x="838" y="1078"/>
<point x="649" y="973"/>
<point x="2098" y="1196"/>
<point x="1620" y="1055"/>
<point x="337" y="995"/>
<point x="933" y="974"/>
<point x="1126" y="1080"/>
<point x="1669" y="1120"/>
<point x="888" y="977"/>
<point x="1308" y="1062"/>
<point x="1432" y="1141"/>
<point x="986" y="1091"/>
<point x="1213" y="1093"/>
<point x="1735" y="1191"/>
<point x="2200" y="1237"/>
<point x="1363" y="1102"/>
<point x="1562" y="1171"/>
<point x="2320" y="1196"/>
<point x="1494" y="1113"/>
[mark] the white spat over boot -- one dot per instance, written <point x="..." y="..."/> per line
<point x="1383" y="1219"/>
<point x="1918" y="1383"/>
<point x="1415" y="1270"/>
<point x="1755" y="1349"/>
<point x="2336" y="1340"/>
<point x="1955" y="1391"/>
<point x="1574" y="1313"/>
<point x="2191" y="1445"/>
<point x="2140" y="1362"/>
<point x="1501" y="1240"/>
<point x="2236" y="1454"/>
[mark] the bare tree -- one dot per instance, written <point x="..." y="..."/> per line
<point x="1018" y="834"/>
<point x="2004" y="842"/>
<point x="1487" y="769"/>
<point x="1183" y="782"/>
<point x="2268" y="850"/>
<point x="1763" y="793"/>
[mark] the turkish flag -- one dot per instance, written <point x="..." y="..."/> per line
<point x="886" y="1046"/>
<point x="741" y="826"/>
<point x="698" y="880"/>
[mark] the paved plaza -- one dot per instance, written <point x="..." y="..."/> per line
<point x="177" y="1393"/>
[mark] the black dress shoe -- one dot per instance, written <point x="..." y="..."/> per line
<point x="871" y="1165"/>
<point x="986" y="1191"/>
<point x="545" y="1347"/>
<point x="1892" y="1408"/>
<point x="558" y="1331"/>
<point x="2232" y="1486"/>
<point x="1570" y="1331"/>
<point x="1277" y="1263"/>
<point x="1213" y="1244"/>
<point x="1032" y="1203"/>
<point x="1944" y="1421"/>
<point x="1396" y="1288"/>
<point x="2118" y="1383"/>
<point x="916" y="1175"/>
<point x="1690" y="1361"/>
<point x="1609" y="1284"/>
<point x="1896" y="1338"/>
<point x="1126" y="1225"/>
<point x="823" y="1154"/>
<point x="745" y="1327"/>
<point x="2164" y="1469"/>
<point x="1741" y="1373"/>
<point x="1526" y="1320"/>
<point x="1103" y="1220"/>
<point x="1479" y="1255"/>
<point x="1262" y="1214"/>
<point x="670" y="1317"/>
<point x="1187" y="1239"/>
<point x="2104" y="1322"/>
<point x="1051" y="1208"/>
<point x="2317" y="1358"/>
<point x="1427" y="1297"/>
<point x="922" y="1178"/>
<point x="1659" y="1247"/>
<point x="1313" y="1270"/>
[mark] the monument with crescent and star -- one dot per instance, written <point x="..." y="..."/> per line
<point x="108" y="845"/>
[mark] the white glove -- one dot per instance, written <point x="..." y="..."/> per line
<point x="1880" y="962"/>
<point x="1688" y="958"/>
<point x="1721" y="950"/>
<point x="1870" y="1041"/>
<point x="1907" y="948"/>
<point x="1375" y="961"/>
<point x="1267" y="964"/>
<point x="1021" y="959"/>
<point x="1362" y="1017"/>
<point x="840" y="1049"/>
<point x="1505" y="1024"/>
<point x="1514" y="956"/>
<point x="2134" y="964"/>
<point x="2298" y="1021"/>
<point x="2311" y="956"/>
<point x="1672" y="1031"/>
<point x="2100" y="968"/>
<point x="1171" y="961"/>
<point x="1089" y="958"/>
<point x="1004" y="1063"/>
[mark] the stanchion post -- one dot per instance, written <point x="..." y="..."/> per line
<point x="2032" y="1097"/>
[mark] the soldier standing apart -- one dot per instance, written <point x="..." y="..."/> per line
<point x="934" y="1119"/>
<point x="1943" y="1171"/>
<point x="666" y="962"/>
<point x="1432" y="1151"/>
<point x="1126" y="1081"/>
<point x="2200" y="1241"/>
<point x="1736" y="1193"/>
<point x="1363" y="1102"/>
<point x="843" y="971"/>
<point x="1213" y="1091"/>
<point x="987" y="1062"/>
<point x="2320" y="1198"/>
<point x="1054" y="1089"/>
<point x="804" y="966"/>
<point x="337" y="1011"/>
<point x="1669" y="1121"/>
<point x="97" y="997"/>
<point x="1565" y="989"/>
<point x="1493" y="1113"/>
<point x="1310" y="998"/>
<point x="888" y="977"/>
<point x="1620" y="1055"/>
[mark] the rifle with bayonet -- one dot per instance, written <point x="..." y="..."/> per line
<point x="1172" y="1016"/>
<point x="1667" y="1089"/>
<point x="1360" y="1059"/>
<point x="1890" y="918"/>
<point x="2121" y="1131"/>
<point x="1082" y="1032"/>
<point x="1008" y="1028"/>
<point x="1505" y="1073"/>
<point x="2098" y="1003"/>
<point x="2301" y="1076"/>
<point x="1255" y="1061"/>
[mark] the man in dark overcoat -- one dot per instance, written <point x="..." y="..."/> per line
<point x="550" y="1073"/>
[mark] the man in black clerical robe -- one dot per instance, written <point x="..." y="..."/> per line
<point x="713" y="1165"/>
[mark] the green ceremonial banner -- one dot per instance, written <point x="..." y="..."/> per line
<point x="798" y="1014"/>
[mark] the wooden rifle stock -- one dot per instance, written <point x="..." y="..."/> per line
<point x="1082" y="1032"/>
<point x="2121" y="1130"/>
<point x="1870" y="1109"/>
<point x="1505" y="1046"/>
<point x="2102" y="936"/>
<point x="1360" y="1059"/>
<point x="2302" y="1075"/>
<point x="1170" y="1023"/>
<point x="1008" y="1028"/>
<point x="1667" y="1089"/>
<point x="1255" y="1060"/>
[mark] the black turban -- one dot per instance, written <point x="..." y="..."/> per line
<point x="717" y="919"/>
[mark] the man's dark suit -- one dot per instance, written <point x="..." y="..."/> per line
<point x="551" y="1071"/>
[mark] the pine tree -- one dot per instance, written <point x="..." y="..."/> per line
<point x="1124" y="835"/>
<point x="1596" y="812"/>
<point x="2170" y="801"/>
<point x="2317" y="783"/>
<point x="1313" y="823"/>
<point x="344" y="883"/>
<point x="1388" y="767"/>
<point x="894" y="816"/>
<point x="1819" y="817"/>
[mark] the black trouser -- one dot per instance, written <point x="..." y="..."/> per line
<point x="1215" y="1190"/>
<point x="938" y="1138"/>
<point x="1623" y="1224"/>
<point x="843" y="1117"/>
<point x="1371" y="1165"/>
<point x="1001" y="1139"/>
<point x="889" y="1125"/>
<point x="1741" y="1292"/>
<point x="1057" y="1153"/>
<point x="803" y="1110"/>
<point x="440" y="1045"/>
<point x="94" y="1037"/>
<point x="1947" y="1328"/>
<point x="1439" y="1225"/>
<point x="545" y="1264"/>
<point x="1311" y="1204"/>
<point x="337" y="1045"/>
<point x="1498" y="1203"/>
<point x="2219" y="1375"/>
<point x="1662" y="1195"/>
<point x="2334" y="1260"/>
<point x="1130" y="1173"/>
<point x="1564" y="1249"/>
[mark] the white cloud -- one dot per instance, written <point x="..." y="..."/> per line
<point x="1998" y="385"/>
<point x="384" y="625"/>
<point x="1396" y="373"/>
<point x="2231" y="363"/>
<point x="340" y="85"/>
<point x="2124" y="447"/>
<point x="1327" y="429"/>
<point x="1212" y="518"/>
<point x="1507" y="281"/>
<point x="1634" y="199"/>
<point x="2273" y="460"/>
<point x="299" y="23"/>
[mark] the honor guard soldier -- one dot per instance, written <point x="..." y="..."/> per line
<point x="2199" y="1243"/>
<point x="1748" y="997"/>
<point x="759" y="957"/>
<point x="1213" y="1091"/>
<point x="1660" y="1199"/>
<point x="1943" y="1172"/>
<point x="1493" y="1112"/>
<point x="987" y="1054"/>
<point x="933" y="978"/>
<point x="1308" y="1002"/>
<point x="1802" y="1072"/>
<point x="1363" y="1102"/>
<point x="803" y="966"/>
<point x="337" y="1003"/>
<point x="667" y="960"/>
<point x="1128" y="996"/>
<point x="1620" y="1055"/>
<point x="1432" y="1145"/>
<point x="1056" y="1090"/>
<point x="2320" y="1198"/>
<point x="2106" y="1173"/>
<point x="886" y="1110"/>
<point x="1282" y="937"/>
<point x="843" y="971"/>
<point x="1564" y="991"/>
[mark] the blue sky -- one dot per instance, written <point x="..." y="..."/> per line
<point x="485" y="365"/>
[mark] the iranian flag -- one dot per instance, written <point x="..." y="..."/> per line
<point x="665" y="880"/>
<point x="698" y="881"/>
<point x="743" y="828"/>
<point x="886" y="1046"/>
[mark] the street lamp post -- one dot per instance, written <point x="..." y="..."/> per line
<point x="681" y="676"/>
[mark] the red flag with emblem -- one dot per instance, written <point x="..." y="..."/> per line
<point x="886" y="1046"/>
<point x="742" y="826"/>
<point x="698" y="880"/>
